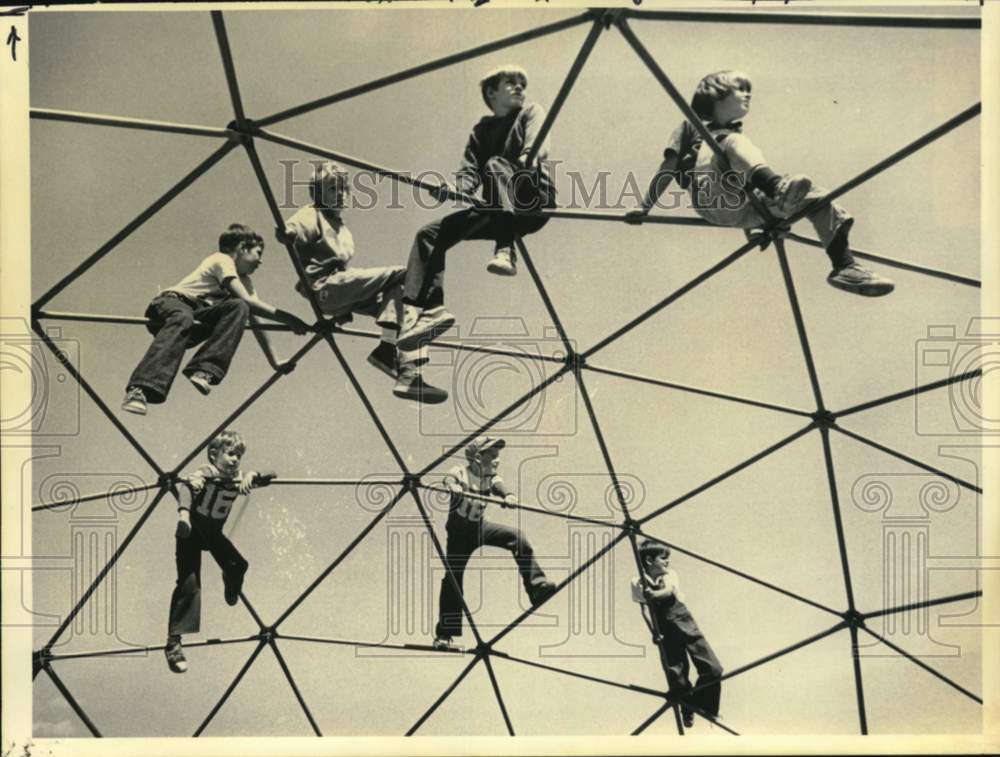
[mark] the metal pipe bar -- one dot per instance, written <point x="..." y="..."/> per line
<point x="229" y="66"/>
<point x="229" y="690"/>
<point x="519" y="354"/>
<point x="574" y="73"/>
<point x="526" y="508"/>
<point x="892" y="160"/>
<point x="128" y="320"/>
<point x="449" y="574"/>
<point x="922" y="605"/>
<point x="726" y="474"/>
<point x="800" y="325"/>
<point x="745" y="668"/>
<point x="444" y="695"/>
<point x="340" y="558"/>
<point x="91" y="497"/>
<point x="104" y="571"/>
<point x="559" y="587"/>
<point x="910" y="392"/>
<point x="367" y="403"/>
<point x="135" y="223"/>
<point x="916" y="661"/>
<point x="374" y="644"/>
<point x="581" y="676"/>
<point x="97" y="119"/>
<point x="543" y="293"/>
<point x="499" y="696"/>
<point x="692" y="117"/>
<point x="673" y="297"/>
<point x="746" y="576"/>
<point x="831" y="478"/>
<point x="271" y="380"/>
<point x="71" y="701"/>
<point x="605" y="452"/>
<point x="147" y="649"/>
<point x="95" y="397"/>
<point x="251" y="610"/>
<point x="593" y="215"/>
<point x="858" y="682"/>
<point x="329" y="482"/>
<point x="811" y="19"/>
<point x="894" y="262"/>
<point x="424" y="68"/>
<point x="695" y="390"/>
<point x="295" y="688"/>
<point x="496" y="419"/>
<point x="910" y="460"/>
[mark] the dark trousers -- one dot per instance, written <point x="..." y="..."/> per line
<point x="185" y="602"/>
<point x="505" y="188"/>
<point x="683" y="639"/>
<point x="178" y="324"/>
<point x="464" y="537"/>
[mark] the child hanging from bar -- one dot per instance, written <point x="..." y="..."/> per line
<point x="722" y="100"/>
<point x="467" y="531"/>
<point x="210" y="306"/>
<point x="214" y="488"/>
<point x="325" y="247"/>
<point x="496" y="159"/>
<point x="676" y="634"/>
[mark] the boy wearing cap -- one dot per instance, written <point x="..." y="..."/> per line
<point x="467" y="531"/>
<point x="676" y="634"/>
<point x="495" y="159"/>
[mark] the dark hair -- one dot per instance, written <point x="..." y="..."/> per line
<point x="493" y="78"/>
<point x="715" y="87"/>
<point x="237" y="234"/>
<point x="648" y="549"/>
<point x="225" y="440"/>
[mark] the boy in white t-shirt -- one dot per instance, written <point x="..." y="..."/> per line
<point x="210" y="306"/>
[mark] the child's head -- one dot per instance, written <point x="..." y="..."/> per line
<point x="330" y="185"/>
<point x="225" y="452"/>
<point x="722" y="97"/>
<point x="244" y="245"/>
<point x="483" y="454"/>
<point x="503" y="88"/>
<point x="655" y="557"/>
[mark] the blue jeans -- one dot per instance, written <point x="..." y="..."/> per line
<point x="180" y="323"/>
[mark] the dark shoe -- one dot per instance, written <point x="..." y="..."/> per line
<point x="233" y="585"/>
<point x="688" y="718"/>
<point x="175" y="656"/>
<point x="504" y="262"/>
<point x="858" y="280"/>
<point x="541" y="592"/>
<point x="426" y="327"/>
<point x="135" y="401"/>
<point x="411" y="386"/>
<point x="383" y="357"/>
<point x="201" y="381"/>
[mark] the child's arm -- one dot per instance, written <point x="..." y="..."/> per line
<point x="534" y="117"/>
<point x="265" y="344"/>
<point x="253" y="479"/>
<point x="467" y="179"/>
<point x="500" y="489"/>
<point x="259" y="307"/>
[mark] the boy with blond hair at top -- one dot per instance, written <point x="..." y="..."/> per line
<point x="496" y="159"/>
<point x="210" y="306"/>
<point x="675" y="632"/>
<point x="214" y="488"/>
<point x="325" y="247"/>
<point x="722" y="100"/>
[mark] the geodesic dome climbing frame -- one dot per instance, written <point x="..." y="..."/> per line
<point x="243" y="132"/>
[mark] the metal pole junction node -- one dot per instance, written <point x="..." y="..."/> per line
<point x="824" y="419"/>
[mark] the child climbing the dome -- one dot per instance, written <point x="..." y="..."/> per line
<point x="467" y="531"/>
<point x="495" y="159"/>
<point x="676" y="634"/>
<point x="722" y="100"/>
<point x="325" y="247"/>
<point x="214" y="488"/>
<point x="210" y="306"/>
